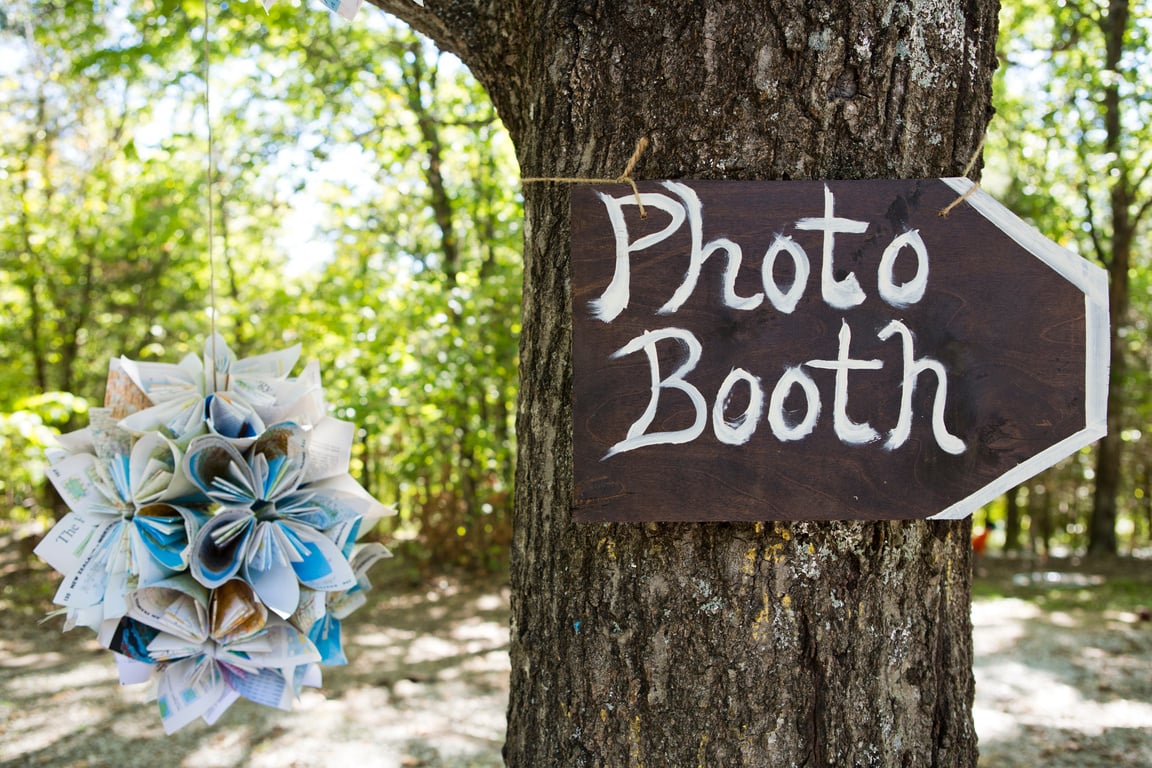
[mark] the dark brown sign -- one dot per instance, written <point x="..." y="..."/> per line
<point x="822" y="350"/>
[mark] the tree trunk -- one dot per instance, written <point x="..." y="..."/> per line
<point x="1012" y="514"/>
<point x="1102" y="524"/>
<point x="1041" y="513"/>
<point x="721" y="644"/>
<point x="1147" y="497"/>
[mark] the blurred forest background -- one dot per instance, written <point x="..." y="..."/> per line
<point x="366" y="205"/>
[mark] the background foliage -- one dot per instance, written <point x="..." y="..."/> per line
<point x="1071" y="151"/>
<point x="366" y="206"/>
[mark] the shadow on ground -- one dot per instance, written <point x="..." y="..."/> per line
<point x="1063" y="680"/>
<point x="427" y="686"/>
<point x="1063" y="664"/>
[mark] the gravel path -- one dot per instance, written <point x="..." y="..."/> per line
<point x="428" y="686"/>
<point x="1061" y="690"/>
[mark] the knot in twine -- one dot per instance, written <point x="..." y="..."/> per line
<point x="624" y="178"/>
<point x="943" y="212"/>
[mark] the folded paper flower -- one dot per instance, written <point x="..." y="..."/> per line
<point x="132" y="520"/>
<point x="211" y="552"/>
<point x="209" y="649"/>
<point x="320" y="613"/>
<point x="230" y="397"/>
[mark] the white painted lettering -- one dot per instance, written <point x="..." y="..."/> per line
<point x="778" y="420"/>
<point x="785" y="301"/>
<point x="841" y="294"/>
<point x="912" y="370"/>
<point x="700" y="253"/>
<point x="637" y="434"/>
<point x="738" y="430"/>
<point x="901" y="296"/>
<point x="847" y="430"/>
<point x="615" y="297"/>
<point x="733" y="425"/>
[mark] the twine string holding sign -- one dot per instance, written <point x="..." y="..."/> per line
<point x="624" y="178"/>
<point x="642" y="145"/>
<point x="208" y="190"/>
<point x="943" y="213"/>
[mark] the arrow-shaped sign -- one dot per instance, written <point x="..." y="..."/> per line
<point x="823" y="350"/>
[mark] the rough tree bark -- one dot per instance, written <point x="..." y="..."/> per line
<point x="768" y="644"/>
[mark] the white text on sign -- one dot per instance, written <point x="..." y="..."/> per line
<point x="841" y="293"/>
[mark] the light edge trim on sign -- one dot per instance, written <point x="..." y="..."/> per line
<point x="1092" y="280"/>
<point x="1022" y="472"/>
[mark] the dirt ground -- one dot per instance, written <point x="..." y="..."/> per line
<point x="1066" y="683"/>
<point x="428" y="686"/>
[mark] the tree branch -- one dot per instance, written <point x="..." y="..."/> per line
<point x="445" y="21"/>
<point x="489" y="36"/>
<point x="1147" y="205"/>
<point x="1097" y="246"/>
<point x="1141" y="212"/>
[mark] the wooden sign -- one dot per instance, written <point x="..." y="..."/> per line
<point x="822" y="350"/>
